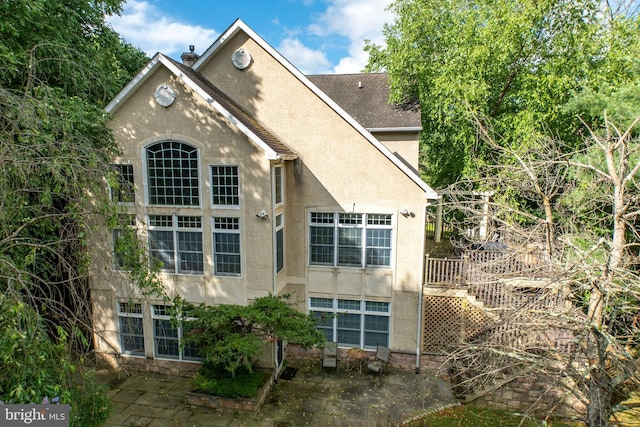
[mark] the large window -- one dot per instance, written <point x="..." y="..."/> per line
<point x="123" y="190"/>
<point x="352" y="323"/>
<point x="350" y="239"/>
<point x="131" y="329"/>
<point x="226" y="246"/>
<point x="167" y="338"/>
<point x="172" y="174"/>
<point x="225" y="185"/>
<point x="176" y="241"/>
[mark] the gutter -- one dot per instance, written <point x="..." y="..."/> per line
<point x="396" y="129"/>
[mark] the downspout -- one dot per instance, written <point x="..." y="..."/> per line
<point x="421" y="292"/>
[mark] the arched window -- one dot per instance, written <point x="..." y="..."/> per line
<point x="172" y="174"/>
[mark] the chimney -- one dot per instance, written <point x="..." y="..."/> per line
<point x="189" y="58"/>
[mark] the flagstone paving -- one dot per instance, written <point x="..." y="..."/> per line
<point x="311" y="398"/>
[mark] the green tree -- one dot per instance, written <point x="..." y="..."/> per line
<point x="515" y="63"/>
<point x="59" y="64"/>
<point x="232" y="336"/>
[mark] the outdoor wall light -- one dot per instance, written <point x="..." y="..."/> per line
<point x="405" y="212"/>
<point x="262" y="214"/>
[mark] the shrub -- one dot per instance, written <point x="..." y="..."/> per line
<point x="217" y="381"/>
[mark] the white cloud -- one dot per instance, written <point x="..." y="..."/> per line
<point x="307" y="60"/>
<point x="142" y="25"/>
<point x="355" y="20"/>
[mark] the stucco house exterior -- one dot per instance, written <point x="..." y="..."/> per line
<point x="249" y="178"/>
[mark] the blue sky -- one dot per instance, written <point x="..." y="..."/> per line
<point x="317" y="36"/>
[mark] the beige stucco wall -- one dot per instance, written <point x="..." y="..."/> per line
<point x="338" y="170"/>
<point x="403" y="144"/>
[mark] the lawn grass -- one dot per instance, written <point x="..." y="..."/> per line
<point x="470" y="415"/>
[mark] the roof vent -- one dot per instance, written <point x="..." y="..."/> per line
<point x="360" y="86"/>
<point x="189" y="58"/>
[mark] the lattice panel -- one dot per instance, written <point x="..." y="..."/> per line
<point x="449" y="320"/>
<point x="443" y="320"/>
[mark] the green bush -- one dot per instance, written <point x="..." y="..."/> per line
<point x="217" y="381"/>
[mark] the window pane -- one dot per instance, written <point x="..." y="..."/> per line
<point x="321" y="302"/>
<point x="166" y="339"/>
<point x="347" y="304"/>
<point x="279" y="250"/>
<point x="131" y="335"/>
<point x="350" y="246"/>
<point x="277" y="172"/>
<point x="161" y="248"/>
<point x="172" y="171"/>
<point x="225" y="185"/>
<point x="124" y="190"/>
<point x="190" y="252"/>
<point x="321" y="248"/>
<point x="378" y="247"/>
<point x="226" y="248"/>
<point x="382" y="307"/>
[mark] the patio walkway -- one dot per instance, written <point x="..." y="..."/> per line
<point x="312" y="397"/>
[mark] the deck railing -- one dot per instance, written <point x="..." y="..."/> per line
<point x="482" y="267"/>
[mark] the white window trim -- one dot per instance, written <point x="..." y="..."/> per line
<point x="334" y="311"/>
<point x="217" y="206"/>
<point x="181" y="357"/>
<point x="174" y="229"/>
<point x="213" y="246"/>
<point x="363" y="226"/>
<point x="127" y="314"/>
<point x="145" y="177"/>
<point x="278" y="226"/>
<point x="275" y="185"/>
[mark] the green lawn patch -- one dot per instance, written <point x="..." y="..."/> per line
<point x="469" y="415"/>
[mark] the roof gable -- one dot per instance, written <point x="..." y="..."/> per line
<point x="239" y="26"/>
<point x="272" y="147"/>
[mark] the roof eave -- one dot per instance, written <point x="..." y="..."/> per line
<point x="404" y="129"/>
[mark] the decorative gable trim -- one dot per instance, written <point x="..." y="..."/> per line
<point x="239" y="25"/>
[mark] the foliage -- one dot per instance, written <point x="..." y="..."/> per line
<point x="577" y="209"/>
<point x="231" y="336"/>
<point x="217" y="381"/>
<point x="34" y="367"/>
<point x="59" y="64"/>
<point x="522" y="65"/>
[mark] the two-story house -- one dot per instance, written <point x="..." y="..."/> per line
<point x="250" y="178"/>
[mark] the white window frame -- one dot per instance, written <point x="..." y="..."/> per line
<point x="279" y="251"/>
<point x="328" y="311"/>
<point x="156" y="315"/>
<point x="147" y="178"/>
<point x="358" y="225"/>
<point x="278" y="185"/>
<point x="235" y="231"/>
<point x="175" y="228"/>
<point x="124" y="315"/>
<point x="232" y="187"/>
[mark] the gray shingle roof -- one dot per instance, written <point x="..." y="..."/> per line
<point x="366" y="98"/>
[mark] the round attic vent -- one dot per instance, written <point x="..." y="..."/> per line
<point x="241" y="59"/>
<point x="165" y="95"/>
